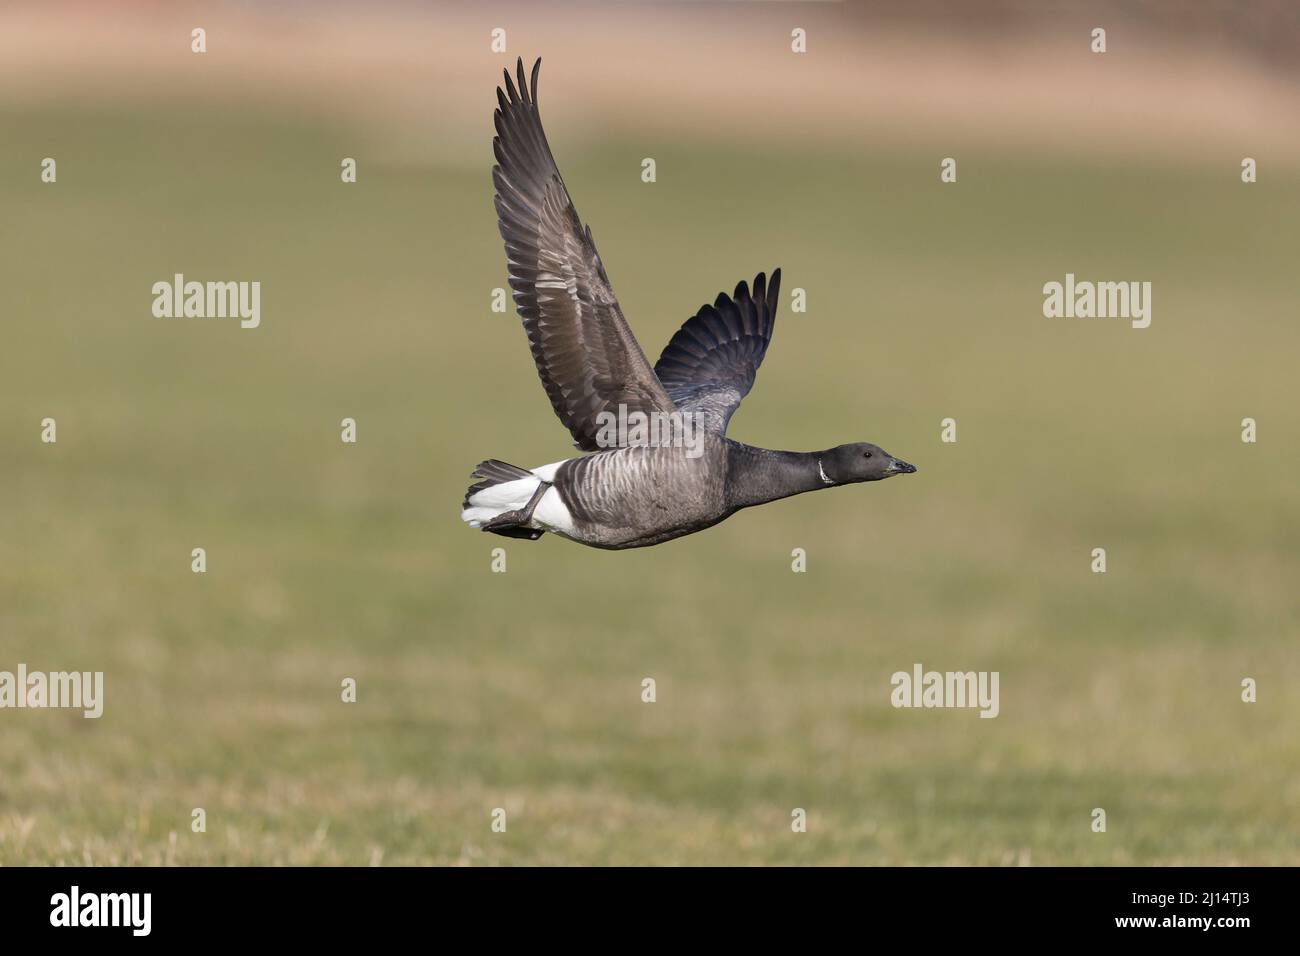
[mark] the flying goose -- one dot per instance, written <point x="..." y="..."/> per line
<point x="629" y="492"/>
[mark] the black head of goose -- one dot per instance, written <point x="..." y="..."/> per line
<point x="659" y="464"/>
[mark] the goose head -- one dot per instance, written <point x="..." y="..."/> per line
<point x="860" y="461"/>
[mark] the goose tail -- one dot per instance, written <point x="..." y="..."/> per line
<point x="500" y="488"/>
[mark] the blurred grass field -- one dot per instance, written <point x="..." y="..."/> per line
<point x="522" y="690"/>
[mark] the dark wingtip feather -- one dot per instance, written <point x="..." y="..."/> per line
<point x="719" y="349"/>
<point x="537" y="68"/>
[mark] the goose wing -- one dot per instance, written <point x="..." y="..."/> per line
<point x="588" y="360"/>
<point x="709" y="364"/>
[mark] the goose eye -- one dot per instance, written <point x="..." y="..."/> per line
<point x="867" y="455"/>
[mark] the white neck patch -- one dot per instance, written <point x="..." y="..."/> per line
<point x="822" y="471"/>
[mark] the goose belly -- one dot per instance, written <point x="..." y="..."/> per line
<point x="633" y="497"/>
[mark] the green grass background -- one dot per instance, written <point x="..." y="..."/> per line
<point x="522" y="690"/>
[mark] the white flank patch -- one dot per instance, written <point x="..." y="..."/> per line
<point x="552" y="515"/>
<point x="547" y="472"/>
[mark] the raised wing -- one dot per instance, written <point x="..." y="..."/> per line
<point x="709" y="365"/>
<point x="586" y="355"/>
